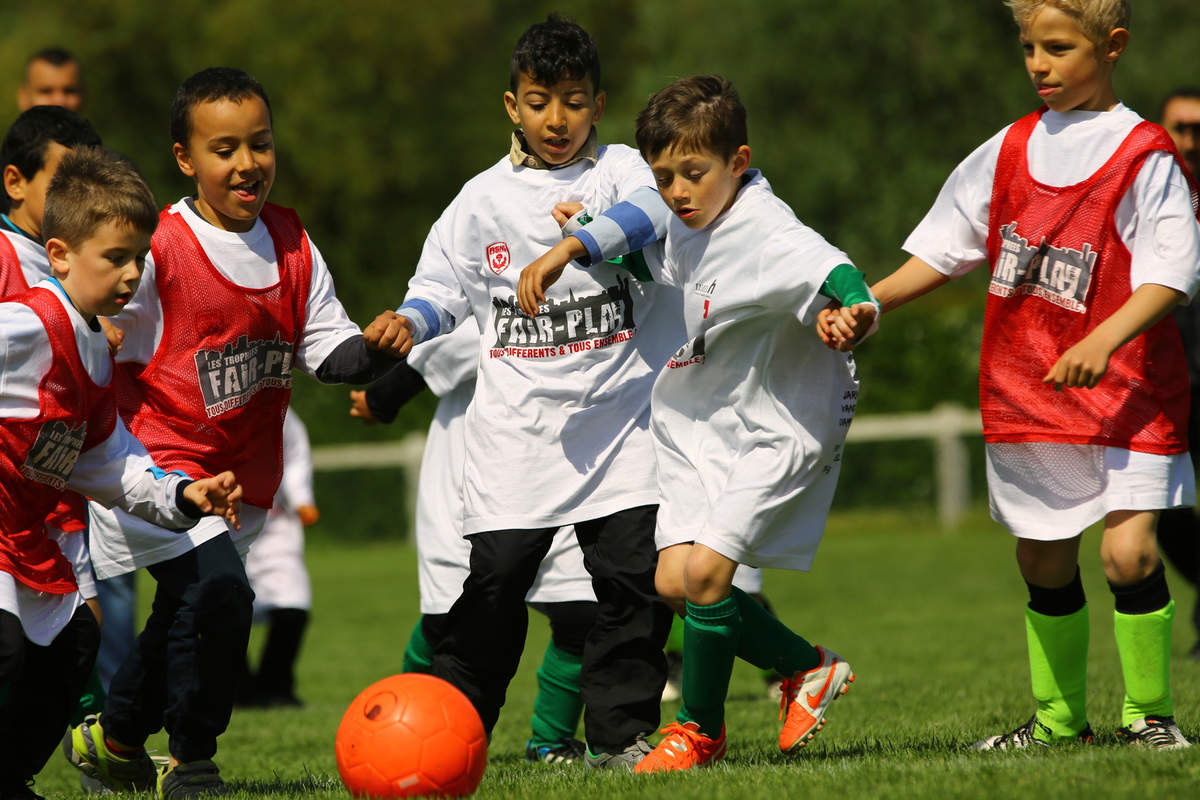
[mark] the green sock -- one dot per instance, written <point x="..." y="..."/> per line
<point x="769" y="644"/>
<point x="1144" y="642"/>
<point x="710" y="643"/>
<point x="418" y="655"/>
<point x="557" y="707"/>
<point x="1058" y="648"/>
<point x="675" y="637"/>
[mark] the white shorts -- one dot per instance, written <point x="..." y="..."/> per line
<point x="121" y="542"/>
<point x="1051" y="491"/>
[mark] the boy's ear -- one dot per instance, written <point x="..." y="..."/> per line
<point x="14" y="183"/>
<point x="184" y="159"/>
<point x="1114" y="46"/>
<point x="510" y="105"/>
<point x="740" y="160"/>
<point x="56" y="251"/>
<point x="600" y="100"/>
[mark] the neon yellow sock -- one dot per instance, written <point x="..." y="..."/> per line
<point x="1058" y="649"/>
<point x="1144" y="642"/>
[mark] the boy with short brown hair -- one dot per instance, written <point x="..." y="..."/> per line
<point x="750" y="414"/>
<point x="60" y="431"/>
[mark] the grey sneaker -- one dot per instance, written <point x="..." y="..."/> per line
<point x="1023" y="737"/>
<point x="564" y="752"/>
<point x="627" y="758"/>
<point x="1160" y="733"/>
<point x="193" y="779"/>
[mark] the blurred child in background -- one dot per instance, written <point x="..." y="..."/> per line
<point x="278" y="576"/>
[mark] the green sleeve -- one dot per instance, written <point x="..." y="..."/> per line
<point x="847" y="285"/>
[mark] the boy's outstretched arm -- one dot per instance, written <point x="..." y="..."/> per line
<point x="913" y="279"/>
<point x="1084" y="363"/>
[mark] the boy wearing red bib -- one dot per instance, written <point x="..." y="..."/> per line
<point x="234" y="296"/>
<point x="60" y="432"/>
<point x="1089" y="222"/>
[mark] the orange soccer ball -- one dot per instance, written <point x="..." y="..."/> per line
<point x="411" y="735"/>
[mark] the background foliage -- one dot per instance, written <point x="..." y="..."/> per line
<point x="858" y="111"/>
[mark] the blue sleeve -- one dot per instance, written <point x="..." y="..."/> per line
<point x="428" y="318"/>
<point x="634" y="223"/>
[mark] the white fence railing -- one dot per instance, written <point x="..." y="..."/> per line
<point x="946" y="425"/>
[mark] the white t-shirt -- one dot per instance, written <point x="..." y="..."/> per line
<point x="557" y="432"/>
<point x="1154" y="218"/>
<point x="121" y="543"/>
<point x="116" y="471"/>
<point x="749" y="417"/>
<point x="448" y="364"/>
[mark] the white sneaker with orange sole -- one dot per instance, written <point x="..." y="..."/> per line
<point x="805" y="697"/>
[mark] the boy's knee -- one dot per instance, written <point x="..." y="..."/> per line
<point x="1124" y="564"/>
<point x="1048" y="564"/>
<point x="670" y="588"/>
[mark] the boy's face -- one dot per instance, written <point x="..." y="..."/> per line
<point x="1069" y="71"/>
<point x="1181" y="118"/>
<point x="102" y="273"/>
<point x="49" y="85"/>
<point x="27" y="196"/>
<point x="556" y="119"/>
<point x="231" y="156"/>
<point x="699" y="186"/>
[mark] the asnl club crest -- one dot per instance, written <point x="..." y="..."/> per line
<point x="498" y="257"/>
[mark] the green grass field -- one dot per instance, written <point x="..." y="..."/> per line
<point x="931" y="621"/>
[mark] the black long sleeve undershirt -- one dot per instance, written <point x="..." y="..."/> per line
<point x="386" y="395"/>
<point x="353" y="362"/>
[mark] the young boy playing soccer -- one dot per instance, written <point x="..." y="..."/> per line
<point x="235" y="296"/>
<point x="60" y="431"/>
<point x="1085" y="214"/>
<point x="748" y="417"/>
<point x="447" y="365"/>
<point x="556" y="433"/>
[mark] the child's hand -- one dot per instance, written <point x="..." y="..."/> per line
<point x="1081" y="366"/>
<point x="540" y="276"/>
<point x="359" y="408"/>
<point x="115" y="336"/>
<point x="220" y="495"/>
<point x="308" y="515"/>
<point x="825" y="329"/>
<point x="390" y="333"/>
<point x="564" y="211"/>
<point x="842" y="327"/>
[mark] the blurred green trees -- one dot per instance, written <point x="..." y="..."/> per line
<point x="858" y="111"/>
